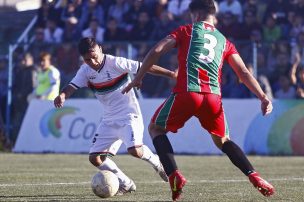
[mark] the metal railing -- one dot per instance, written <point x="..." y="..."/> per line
<point x="23" y="39"/>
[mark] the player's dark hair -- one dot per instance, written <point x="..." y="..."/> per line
<point x="86" y="45"/>
<point x="205" y="6"/>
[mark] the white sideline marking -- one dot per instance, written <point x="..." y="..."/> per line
<point x="145" y="182"/>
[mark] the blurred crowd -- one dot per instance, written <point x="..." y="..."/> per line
<point x="269" y="35"/>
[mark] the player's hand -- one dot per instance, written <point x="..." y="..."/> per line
<point x="266" y="106"/>
<point x="175" y="73"/>
<point x="59" y="100"/>
<point x="135" y="83"/>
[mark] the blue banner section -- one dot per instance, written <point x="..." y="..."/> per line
<point x="282" y="133"/>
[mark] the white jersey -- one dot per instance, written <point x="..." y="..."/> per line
<point x="107" y="84"/>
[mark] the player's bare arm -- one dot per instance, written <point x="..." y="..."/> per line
<point x="151" y="58"/>
<point x="64" y="94"/>
<point x="242" y="72"/>
<point x="160" y="71"/>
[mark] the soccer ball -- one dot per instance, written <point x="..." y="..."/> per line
<point x="105" y="184"/>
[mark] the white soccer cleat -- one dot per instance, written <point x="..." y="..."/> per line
<point x="160" y="170"/>
<point x="126" y="188"/>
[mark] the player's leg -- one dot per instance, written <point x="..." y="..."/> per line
<point x="132" y="137"/>
<point x="171" y="116"/>
<point x="213" y="120"/>
<point x="106" y="145"/>
<point x="239" y="159"/>
<point x="144" y="153"/>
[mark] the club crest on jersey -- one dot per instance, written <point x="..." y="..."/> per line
<point x="108" y="75"/>
<point x="92" y="77"/>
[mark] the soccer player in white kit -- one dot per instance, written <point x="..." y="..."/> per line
<point x="122" y="120"/>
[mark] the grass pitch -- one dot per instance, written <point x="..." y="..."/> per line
<point x="63" y="177"/>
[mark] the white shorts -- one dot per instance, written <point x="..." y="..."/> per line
<point x="110" y="135"/>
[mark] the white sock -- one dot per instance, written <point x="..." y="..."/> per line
<point x="110" y="165"/>
<point x="149" y="156"/>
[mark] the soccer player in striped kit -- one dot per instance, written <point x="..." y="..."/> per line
<point x="202" y="49"/>
<point x="122" y="120"/>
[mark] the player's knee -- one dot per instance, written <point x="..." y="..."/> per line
<point x="155" y="130"/>
<point x="96" y="160"/>
<point x="135" y="151"/>
<point x="219" y="141"/>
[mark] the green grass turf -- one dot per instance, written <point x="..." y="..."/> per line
<point x="58" y="177"/>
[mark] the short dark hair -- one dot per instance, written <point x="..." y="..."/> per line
<point x="206" y="6"/>
<point x="86" y="45"/>
<point x="44" y="55"/>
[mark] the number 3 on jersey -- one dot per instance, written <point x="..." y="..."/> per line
<point x="210" y="47"/>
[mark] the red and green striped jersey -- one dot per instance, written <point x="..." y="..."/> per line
<point x="202" y="50"/>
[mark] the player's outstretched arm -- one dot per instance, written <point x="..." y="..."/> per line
<point x="65" y="93"/>
<point x="242" y="72"/>
<point x="151" y="58"/>
<point x="160" y="71"/>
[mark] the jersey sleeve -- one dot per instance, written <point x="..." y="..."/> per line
<point x="176" y="34"/>
<point x="127" y="65"/>
<point x="80" y="80"/>
<point x="229" y="50"/>
<point x="54" y="76"/>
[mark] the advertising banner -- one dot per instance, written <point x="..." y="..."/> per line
<point x="71" y="128"/>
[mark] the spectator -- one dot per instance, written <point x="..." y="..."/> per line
<point x="178" y="7"/>
<point x="263" y="81"/>
<point x="38" y="43"/>
<point x="118" y="11"/>
<point x="247" y="49"/>
<point x="297" y="76"/>
<point x="91" y="9"/>
<point x="131" y="16"/>
<point x="271" y="31"/>
<point x="48" y="80"/>
<point x="262" y="68"/>
<point x="258" y="7"/>
<point x="297" y="26"/>
<point x="251" y="5"/>
<point x="38" y="35"/>
<point x="229" y="26"/>
<point x="279" y="60"/>
<point x="94" y="31"/>
<point x="52" y="33"/>
<point x="282" y="67"/>
<point x="67" y="58"/>
<point x="232" y="6"/>
<point x="278" y="9"/>
<point x="72" y="9"/>
<point x="106" y="4"/>
<point x="288" y="26"/>
<point x="297" y="51"/>
<point x="250" y="23"/>
<point x="45" y="12"/>
<point x="163" y="26"/>
<point x="143" y="28"/>
<point x="298" y="6"/>
<point x="285" y="90"/>
<point x="71" y="32"/>
<point x="159" y="6"/>
<point x="24" y="82"/>
<point x="113" y="32"/>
